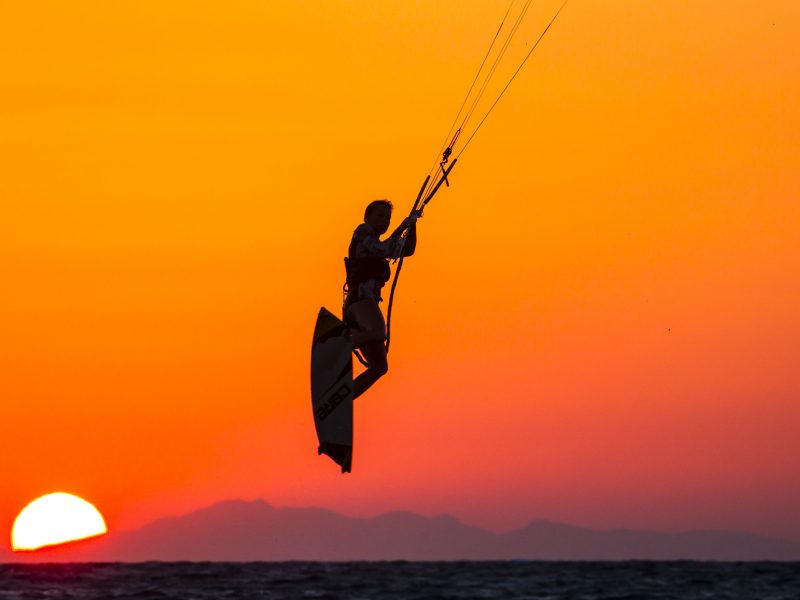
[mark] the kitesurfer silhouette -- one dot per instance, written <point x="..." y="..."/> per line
<point x="368" y="270"/>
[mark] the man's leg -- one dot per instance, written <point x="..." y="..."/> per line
<point x="366" y="320"/>
<point x="368" y="337"/>
<point x="375" y="355"/>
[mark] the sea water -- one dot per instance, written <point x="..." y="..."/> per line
<point x="390" y="580"/>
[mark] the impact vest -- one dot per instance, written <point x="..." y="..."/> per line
<point x="369" y="268"/>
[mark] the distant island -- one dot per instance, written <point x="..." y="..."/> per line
<point x="238" y="530"/>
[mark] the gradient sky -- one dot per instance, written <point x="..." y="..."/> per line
<point x="601" y="323"/>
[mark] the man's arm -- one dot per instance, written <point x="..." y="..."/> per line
<point x="370" y="245"/>
<point x="411" y="240"/>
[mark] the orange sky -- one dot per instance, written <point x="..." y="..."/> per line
<point x="600" y="325"/>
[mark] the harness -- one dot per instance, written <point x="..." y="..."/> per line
<point x="360" y="270"/>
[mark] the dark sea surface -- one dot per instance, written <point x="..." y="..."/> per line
<point x="389" y="580"/>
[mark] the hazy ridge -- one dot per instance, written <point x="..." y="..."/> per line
<point x="238" y="530"/>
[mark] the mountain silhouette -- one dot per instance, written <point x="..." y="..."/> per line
<point x="238" y="530"/>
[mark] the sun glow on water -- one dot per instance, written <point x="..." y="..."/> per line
<point x="55" y="519"/>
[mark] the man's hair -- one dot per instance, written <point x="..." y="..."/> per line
<point x="372" y="206"/>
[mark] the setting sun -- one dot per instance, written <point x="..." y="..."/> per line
<point x="55" y="519"/>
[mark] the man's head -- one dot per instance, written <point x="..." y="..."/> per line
<point x="379" y="214"/>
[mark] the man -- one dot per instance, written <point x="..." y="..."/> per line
<point x="368" y="271"/>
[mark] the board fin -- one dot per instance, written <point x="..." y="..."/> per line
<point x="341" y="454"/>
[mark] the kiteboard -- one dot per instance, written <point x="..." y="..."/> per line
<point x="332" y="388"/>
